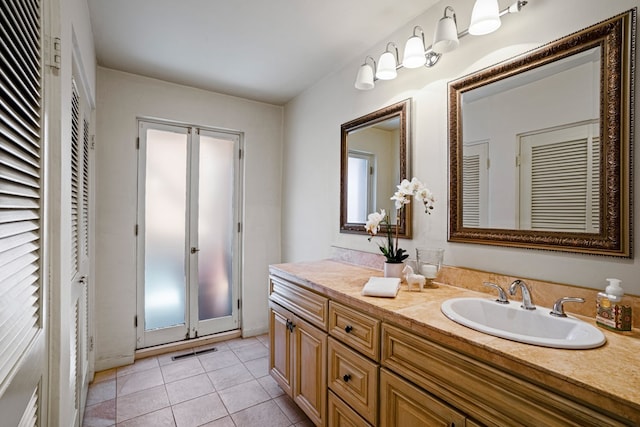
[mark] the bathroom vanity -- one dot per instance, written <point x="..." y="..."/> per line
<point x="351" y="360"/>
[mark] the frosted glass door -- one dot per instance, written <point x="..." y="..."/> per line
<point x="215" y="226"/>
<point x="165" y="213"/>
<point x="215" y="238"/>
<point x="188" y="234"/>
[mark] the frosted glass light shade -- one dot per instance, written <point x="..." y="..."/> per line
<point x="445" y="38"/>
<point x="485" y="17"/>
<point x="364" y="79"/>
<point x="414" y="53"/>
<point x="387" y="67"/>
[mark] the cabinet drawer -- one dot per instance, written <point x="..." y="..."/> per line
<point x="357" y="330"/>
<point x="405" y="405"/>
<point x="341" y="415"/>
<point x="354" y="379"/>
<point x="475" y="387"/>
<point x="308" y="305"/>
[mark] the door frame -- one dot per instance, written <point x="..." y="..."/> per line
<point x="167" y="335"/>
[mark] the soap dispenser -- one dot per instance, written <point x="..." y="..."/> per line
<point x="611" y="310"/>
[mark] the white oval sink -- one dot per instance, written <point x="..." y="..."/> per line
<point x="512" y="322"/>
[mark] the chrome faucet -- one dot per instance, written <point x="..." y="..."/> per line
<point x="558" y="306"/>
<point x="527" y="304"/>
<point x="502" y="297"/>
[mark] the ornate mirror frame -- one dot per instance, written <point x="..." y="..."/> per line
<point x="402" y="111"/>
<point x="616" y="38"/>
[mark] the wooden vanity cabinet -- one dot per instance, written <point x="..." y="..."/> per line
<point x="489" y="395"/>
<point x="348" y="368"/>
<point x="298" y="349"/>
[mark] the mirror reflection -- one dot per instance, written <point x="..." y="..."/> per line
<point x="373" y="169"/>
<point x="531" y="148"/>
<point x="373" y="162"/>
<point x="540" y="145"/>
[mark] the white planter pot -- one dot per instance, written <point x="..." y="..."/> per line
<point x="393" y="269"/>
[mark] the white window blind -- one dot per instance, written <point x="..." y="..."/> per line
<point x="560" y="179"/>
<point x="20" y="180"/>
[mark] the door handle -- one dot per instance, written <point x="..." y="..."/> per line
<point x="194" y="250"/>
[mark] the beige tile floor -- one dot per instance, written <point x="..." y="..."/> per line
<point x="226" y="388"/>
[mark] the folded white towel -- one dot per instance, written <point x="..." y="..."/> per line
<point x="382" y="287"/>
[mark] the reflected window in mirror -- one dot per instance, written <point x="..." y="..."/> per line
<point x="540" y="152"/>
<point x="374" y="160"/>
<point x="361" y="178"/>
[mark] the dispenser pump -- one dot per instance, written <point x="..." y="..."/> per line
<point x="614" y="291"/>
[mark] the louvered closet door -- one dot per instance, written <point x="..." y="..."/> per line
<point x="22" y="332"/>
<point x="80" y="175"/>
<point x="475" y="187"/>
<point x="560" y="179"/>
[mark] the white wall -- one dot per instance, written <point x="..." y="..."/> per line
<point x="122" y="98"/>
<point x="312" y="145"/>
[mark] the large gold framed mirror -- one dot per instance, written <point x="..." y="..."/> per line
<point x="540" y="146"/>
<point x="374" y="159"/>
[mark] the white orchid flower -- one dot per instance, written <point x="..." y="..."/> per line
<point x="405" y="188"/>
<point x="415" y="185"/>
<point x="400" y="199"/>
<point x="373" y="222"/>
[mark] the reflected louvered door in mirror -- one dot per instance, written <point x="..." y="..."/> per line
<point x="560" y="179"/>
<point x="22" y="327"/>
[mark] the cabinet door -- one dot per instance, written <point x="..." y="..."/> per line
<point x="280" y="347"/>
<point x="310" y="379"/>
<point x="404" y="405"/>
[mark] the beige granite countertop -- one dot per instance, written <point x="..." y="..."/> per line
<point x="607" y="377"/>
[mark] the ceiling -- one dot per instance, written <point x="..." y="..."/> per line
<point x="265" y="50"/>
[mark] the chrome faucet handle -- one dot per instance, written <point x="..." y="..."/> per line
<point x="502" y="296"/>
<point x="527" y="303"/>
<point x="558" y="306"/>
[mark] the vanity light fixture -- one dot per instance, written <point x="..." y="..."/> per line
<point x="445" y="38"/>
<point x="364" y="79"/>
<point x="414" y="50"/>
<point x="388" y="63"/>
<point x="485" y="19"/>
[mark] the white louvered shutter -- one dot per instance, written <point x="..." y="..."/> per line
<point x="471" y="191"/>
<point x="75" y="176"/>
<point x="85" y="189"/>
<point x="475" y="184"/>
<point x="560" y="180"/>
<point x="20" y="181"/>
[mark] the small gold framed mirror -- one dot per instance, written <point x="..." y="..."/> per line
<point x="374" y="160"/>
